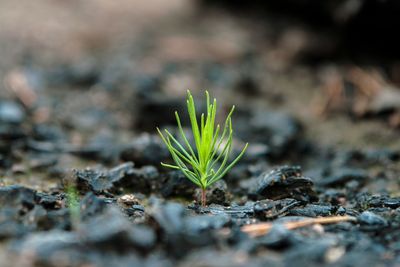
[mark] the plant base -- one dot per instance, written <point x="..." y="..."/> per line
<point x="203" y="197"/>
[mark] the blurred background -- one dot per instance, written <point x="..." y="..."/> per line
<point x="98" y="72"/>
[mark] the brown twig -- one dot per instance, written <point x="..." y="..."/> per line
<point x="18" y="83"/>
<point x="333" y="94"/>
<point x="259" y="229"/>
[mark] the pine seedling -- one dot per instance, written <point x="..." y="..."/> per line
<point x="73" y="206"/>
<point x="207" y="162"/>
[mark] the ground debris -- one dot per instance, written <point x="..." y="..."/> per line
<point x="283" y="182"/>
<point x="263" y="228"/>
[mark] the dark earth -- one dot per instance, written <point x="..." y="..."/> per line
<point x="84" y="84"/>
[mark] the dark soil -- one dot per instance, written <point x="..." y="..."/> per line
<point x="85" y="84"/>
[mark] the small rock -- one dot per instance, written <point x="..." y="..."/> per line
<point x="181" y="233"/>
<point x="277" y="130"/>
<point x="333" y="196"/>
<point x="43" y="162"/>
<point x="309" y="252"/>
<point x="371" y="219"/>
<point x="270" y="209"/>
<point x="136" y="212"/>
<point x="159" y="111"/>
<point x="224" y="258"/>
<point x="145" y="150"/>
<point x="49" y="133"/>
<point x="123" y="176"/>
<point x="10" y="112"/>
<point x="176" y="184"/>
<point x="43" y="220"/>
<point x="341" y="176"/>
<point x="341" y="211"/>
<point x="118" y="233"/>
<point x="11" y="229"/>
<point x="384" y="201"/>
<point x="130" y="205"/>
<point x="52" y="248"/>
<point x="255" y="151"/>
<point x="217" y="193"/>
<point x="278" y="237"/>
<point x="143" y="180"/>
<point x="236" y="212"/>
<point x="313" y="210"/>
<point x="128" y="200"/>
<point x="285" y="182"/>
<point x="16" y="196"/>
<point x="102" y="147"/>
<point x="169" y="217"/>
<point x="49" y="201"/>
<point x="83" y="73"/>
<point x="206" y="222"/>
<point x="10" y="133"/>
<point x="91" y="206"/>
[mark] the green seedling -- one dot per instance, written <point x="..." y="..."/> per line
<point x="73" y="206"/>
<point x="207" y="162"/>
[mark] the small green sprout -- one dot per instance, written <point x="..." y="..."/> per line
<point x="73" y="206"/>
<point x="208" y="162"/>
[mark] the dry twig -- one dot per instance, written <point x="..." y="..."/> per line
<point x="259" y="229"/>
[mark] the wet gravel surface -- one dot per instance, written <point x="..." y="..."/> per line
<point x="89" y="124"/>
